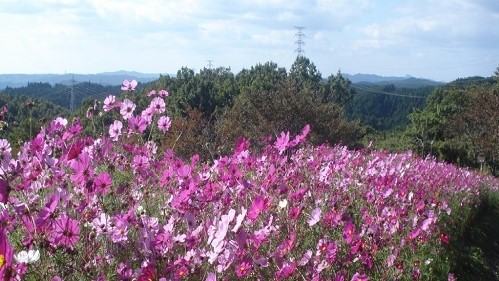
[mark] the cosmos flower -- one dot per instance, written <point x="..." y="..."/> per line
<point x="129" y="85"/>
<point x="30" y="256"/>
<point x="164" y="123"/>
<point x="66" y="231"/>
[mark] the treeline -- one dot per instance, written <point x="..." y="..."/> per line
<point x="386" y="107"/>
<point x="22" y="117"/>
<point x="60" y="94"/>
<point x="458" y="124"/>
<point x="212" y="108"/>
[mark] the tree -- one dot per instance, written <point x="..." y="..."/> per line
<point x="305" y="74"/>
<point x="338" y="90"/>
<point x="257" y="114"/>
<point x="261" y="77"/>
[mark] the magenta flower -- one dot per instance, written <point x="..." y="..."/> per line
<point x="137" y="124"/>
<point x="6" y="255"/>
<point x="119" y="233"/>
<point x="348" y="232"/>
<point x="82" y="171"/>
<point x="66" y="232"/>
<point x="164" y="123"/>
<point x="115" y="130"/>
<point x="47" y="211"/>
<point x="243" y="269"/>
<point x="256" y="208"/>
<point x="129" y="85"/>
<point x="126" y="109"/>
<point x="102" y="182"/>
<point x="286" y="271"/>
<point x="148" y="273"/>
<point x="4" y="191"/>
<point x="282" y="142"/>
<point x="181" y="272"/>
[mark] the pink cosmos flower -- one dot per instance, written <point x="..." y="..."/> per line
<point x="256" y="208"/>
<point x="158" y="105"/>
<point x="129" y="85"/>
<point x="163" y="93"/>
<point x="102" y="224"/>
<point x="348" y="232"/>
<point x="315" y="217"/>
<point x="282" y="142"/>
<point x="115" y="130"/>
<point x="137" y="124"/>
<point x="126" y="109"/>
<point x="66" y="232"/>
<point x="147" y="114"/>
<point x="82" y="170"/>
<point x="286" y="271"/>
<point x="360" y="277"/>
<point x="181" y="272"/>
<point x="243" y="269"/>
<point x="164" y="123"/>
<point x="119" y="233"/>
<point x="109" y="103"/>
<point x="47" y="211"/>
<point x="103" y="182"/>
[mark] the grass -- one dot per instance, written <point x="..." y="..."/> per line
<point x="476" y="252"/>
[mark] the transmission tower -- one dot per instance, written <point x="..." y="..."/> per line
<point x="300" y="40"/>
<point x="210" y="65"/>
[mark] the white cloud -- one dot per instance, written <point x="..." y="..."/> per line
<point x="147" y="10"/>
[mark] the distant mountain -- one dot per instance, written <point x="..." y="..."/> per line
<point x="400" y="82"/>
<point x="372" y="78"/>
<point x="106" y="78"/>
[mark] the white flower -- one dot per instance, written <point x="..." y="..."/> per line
<point x="283" y="204"/>
<point x="27" y="257"/>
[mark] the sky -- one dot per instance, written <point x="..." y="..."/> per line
<point x="440" y="40"/>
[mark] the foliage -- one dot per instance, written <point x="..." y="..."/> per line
<point x="459" y="124"/>
<point x="258" y="114"/>
<point x="60" y="94"/>
<point x="386" y="108"/>
<point x="22" y="117"/>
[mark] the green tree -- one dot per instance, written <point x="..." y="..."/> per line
<point x="305" y="74"/>
<point x="338" y="90"/>
<point x="261" y="77"/>
<point x="257" y="114"/>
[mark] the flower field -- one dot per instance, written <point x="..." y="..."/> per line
<point x="122" y="207"/>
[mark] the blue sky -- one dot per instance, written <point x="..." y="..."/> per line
<point x="442" y="40"/>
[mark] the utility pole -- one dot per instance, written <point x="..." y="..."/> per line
<point x="300" y="40"/>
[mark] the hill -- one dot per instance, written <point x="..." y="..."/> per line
<point x="105" y="78"/>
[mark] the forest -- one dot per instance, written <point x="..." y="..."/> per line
<point x="455" y="122"/>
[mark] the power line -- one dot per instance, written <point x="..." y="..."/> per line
<point x="383" y="93"/>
